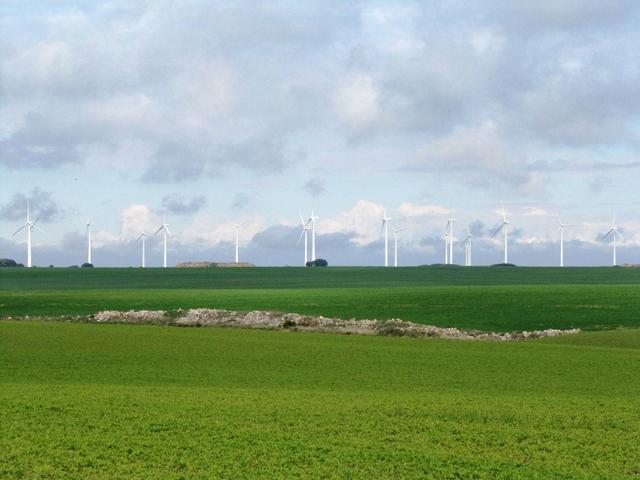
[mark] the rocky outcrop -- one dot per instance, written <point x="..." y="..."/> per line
<point x="205" y="317"/>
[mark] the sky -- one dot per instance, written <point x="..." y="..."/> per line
<point x="210" y="114"/>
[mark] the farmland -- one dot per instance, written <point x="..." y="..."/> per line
<point x="116" y="401"/>
<point x="499" y="299"/>
<point x="80" y="400"/>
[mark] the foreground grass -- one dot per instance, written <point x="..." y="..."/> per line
<point x="115" y="401"/>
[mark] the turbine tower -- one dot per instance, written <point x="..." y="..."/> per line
<point x="445" y="237"/>
<point x="562" y="227"/>
<point x="237" y="227"/>
<point x="165" y="232"/>
<point x="143" y="237"/>
<point x="467" y="249"/>
<point x="504" y="227"/>
<point x="304" y="233"/>
<point x="313" y="219"/>
<point x="615" y="233"/>
<point x="395" y="245"/>
<point x="385" y="226"/>
<point x="29" y="226"/>
<point x="449" y="228"/>
<point x="89" y="244"/>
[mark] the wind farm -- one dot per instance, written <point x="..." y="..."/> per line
<point x="309" y="227"/>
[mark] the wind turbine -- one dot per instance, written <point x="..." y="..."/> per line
<point x="395" y="245"/>
<point x="237" y="227"/>
<point x="467" y="249"/>
<point x="143" y="237"/>
<point x="562" y="227"/>
<point x="89" y="244"/>
<point x="313" y="219"/>
<point x="165" y="231"/>
<point x="30" y="226"/>
<point x="304" y="233"/>
<point x="614" y="235"/>
<point x="385" y="226"/>
<point x="445" y="237"/>
<point x="504" y="227"/>
<point x="449" y="226"/>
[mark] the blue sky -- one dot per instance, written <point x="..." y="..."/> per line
<point x="213" y="113"/>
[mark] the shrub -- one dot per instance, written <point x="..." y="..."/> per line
<point x="318" y="262"/>
<point x="87" y="265"/>
<point x="8" y="262"/>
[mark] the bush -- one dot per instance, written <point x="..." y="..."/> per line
<point x="318" y="262"/>
<point x="87" y="265"/>
<point x="504" y="265"/>
<point x="8" y="262"/>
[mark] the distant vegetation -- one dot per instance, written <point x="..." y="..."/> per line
<point x="87" y="265"/>
<point x="318" y="262"/>
<point x="8" y="262"/>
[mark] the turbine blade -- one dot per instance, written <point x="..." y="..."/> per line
<point x="18" y="230"/>
<point x="497" y="230"/>
<point x="168" y="231"/>
<point x="158" y="231"/>
<point x="301" y="235"/>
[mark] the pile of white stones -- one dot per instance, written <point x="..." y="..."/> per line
<point x="205" y="317"/>
<point x="131" y="316"/>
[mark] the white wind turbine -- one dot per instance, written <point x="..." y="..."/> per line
<point x="467" y="242"/>
<point x="615" y="233"/>
<point x="30" y="226"/>
<point x="237" y="227"/>
<point x="445" y="237"/>
<point x="385" y="227"/>
<point x="449" y="230"/>
<point x="313" y="219"/>
<point x="143" y="237"/>
<point x="504" y="227"/>
<point x="89" y="243"/>
<point x="305" y="231"/>
<point x="562" y="227"/>
<point x="165" y="232"/>
<point x="395" y="245"/>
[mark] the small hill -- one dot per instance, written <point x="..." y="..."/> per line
<point x="214" y="265"/>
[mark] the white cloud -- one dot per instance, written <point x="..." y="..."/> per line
<point x="363" y="220"/>
<point x="357" y="102"/>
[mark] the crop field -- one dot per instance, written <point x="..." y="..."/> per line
<point x="118" y="401"/>
<point x="101" y="401"/>
<point x="482" y="298"/>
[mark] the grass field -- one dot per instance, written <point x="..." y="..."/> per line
<point x="482" y="298"/>
<point x="115" y="401"/>
<point x="90" y="401"/>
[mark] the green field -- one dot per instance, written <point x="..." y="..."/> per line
<point x="85" y="401"/>
<point x="482" y="298"/>
<point x="116" y="401"/>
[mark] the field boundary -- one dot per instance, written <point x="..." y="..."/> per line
<point x="269" y="320"/>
